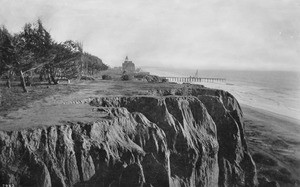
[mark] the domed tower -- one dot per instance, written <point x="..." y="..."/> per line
<point x="128" y="66"/>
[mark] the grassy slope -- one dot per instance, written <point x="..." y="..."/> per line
<point x="12" y="99"/>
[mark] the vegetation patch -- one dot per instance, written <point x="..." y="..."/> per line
<point x="33" y="53"/>
<point x="12" y="99"/>
<point x="126" y="77"/>
<point x="106" y="77"/>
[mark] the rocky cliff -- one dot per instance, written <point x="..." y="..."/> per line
<point x="184" y="137"/>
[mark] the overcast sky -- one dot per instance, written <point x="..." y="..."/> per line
<point x="211" y="34"/>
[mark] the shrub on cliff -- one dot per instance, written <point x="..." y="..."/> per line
<point x="126" y="77"/>
<point x="164" y="79"/>
<point x="87" y="78"/>
<point x="152" y="78"/>
<point x="155" y="79"/>
<point x="139" y="76"/>
<point x="106" y="77"/>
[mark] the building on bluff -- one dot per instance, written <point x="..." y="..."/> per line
<point x="128" y="66"/>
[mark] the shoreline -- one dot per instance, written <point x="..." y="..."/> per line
<point x="253" y="97"/>
<point x="271" y="113"/>
<point x="274" y="143"/>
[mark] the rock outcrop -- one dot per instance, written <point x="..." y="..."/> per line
<point x="185" y="137"/>
<point x="236" y="166"/>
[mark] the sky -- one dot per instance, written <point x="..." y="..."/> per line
<point x="191" y="34"/>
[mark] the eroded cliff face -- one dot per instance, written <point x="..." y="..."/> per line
<point x="236" y="166"/>
<point x="183" y="137"/>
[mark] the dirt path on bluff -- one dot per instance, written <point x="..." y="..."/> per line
<point x="55" y="108"/>
<point x="51" y="110"/>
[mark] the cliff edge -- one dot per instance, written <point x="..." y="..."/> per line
<point x="188" y="136"/>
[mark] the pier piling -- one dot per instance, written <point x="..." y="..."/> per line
<point x="194" y="79"/>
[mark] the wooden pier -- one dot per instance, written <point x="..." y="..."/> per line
<point x="194" y="79"/>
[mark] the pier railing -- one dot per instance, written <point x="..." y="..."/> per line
<point x="194" y="79"/>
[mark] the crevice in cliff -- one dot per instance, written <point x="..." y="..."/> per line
<point x="77" y="150"/>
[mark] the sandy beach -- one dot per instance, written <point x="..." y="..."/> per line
<point x="272" y="127"/>
<point x="274" y="142"/>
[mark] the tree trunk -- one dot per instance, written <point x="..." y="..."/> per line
<point x="53" y="79"/>
<point x="80" y="67"/>
<point x="41" y="77"/>
<point x="23" y="81"/>
<point x="52" y="76"/>
<point x="8" y="79"/>
<point x="49" y="79"/>
<point x="8" y="84"/>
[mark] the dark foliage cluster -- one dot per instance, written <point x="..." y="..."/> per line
<point x="126" y="77"/>
<point x="33" y="52"/>
<point x="106" y="77"/>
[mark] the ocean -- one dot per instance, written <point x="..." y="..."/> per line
<point x="274" y="91"/>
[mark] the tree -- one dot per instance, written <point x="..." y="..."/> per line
<point x="76" y="48"/>
<point x="32" y="48"/>
<point x="25" y="51"/>
<point x="92" y="64"/>
<point x="7" y="55"/>
<point x="66" y="61"/>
